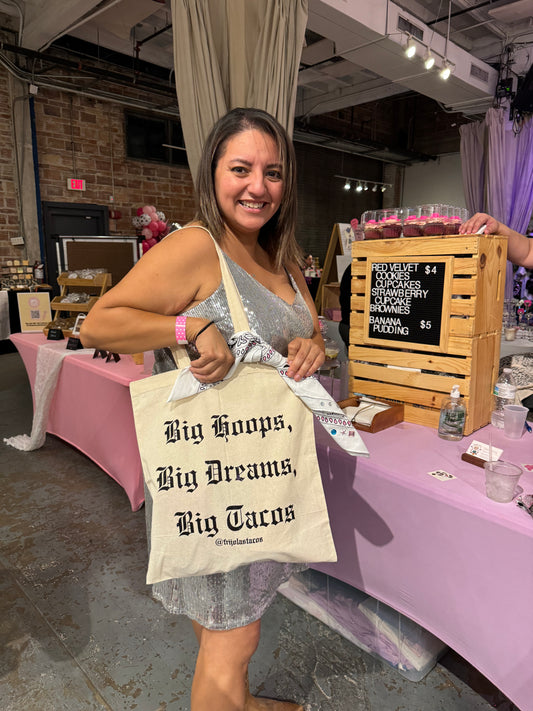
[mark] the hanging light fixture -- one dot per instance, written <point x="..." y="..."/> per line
<point x="365" y="187"/>
<point x="359" y="187"/>
<point x="347" y="185"/>
<point x="383" y="188"/>
<point x="445" y="71"/>
<point x="410" y="47"/>
<point x="375" y="188"/>
<point x="429" y="60"/>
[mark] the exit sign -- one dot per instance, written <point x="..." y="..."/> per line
<point x="75" y="184"/>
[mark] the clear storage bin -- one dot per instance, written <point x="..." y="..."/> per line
<point x="366" y="622"/>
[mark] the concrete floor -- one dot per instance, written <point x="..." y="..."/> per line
<point x="80" y="632"/>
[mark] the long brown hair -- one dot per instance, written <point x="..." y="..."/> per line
<point x="277" y="236"/>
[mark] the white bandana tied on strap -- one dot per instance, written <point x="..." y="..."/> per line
<point x="248" y="347"/>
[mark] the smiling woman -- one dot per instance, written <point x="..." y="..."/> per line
<point x="249" y="183"/>
<point x="247" y="203"/>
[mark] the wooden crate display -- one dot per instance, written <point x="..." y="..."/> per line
<point x="95" y="287"/>
<point x="426" y="314"/>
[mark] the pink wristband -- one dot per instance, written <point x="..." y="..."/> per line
<point x="181" y="336"/>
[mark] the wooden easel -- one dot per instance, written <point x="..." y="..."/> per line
<point x="329" y="271"/>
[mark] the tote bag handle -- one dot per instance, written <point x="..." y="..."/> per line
<point x="237" y="312"/>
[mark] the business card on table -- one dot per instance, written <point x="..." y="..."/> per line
<point x="483" y="451"/>
<point x="441" y="475"/>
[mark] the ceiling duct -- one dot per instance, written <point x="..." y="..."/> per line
<point x="405" y="25"/>
<point x="366" y="36"/>
<point x="515" y="12"/>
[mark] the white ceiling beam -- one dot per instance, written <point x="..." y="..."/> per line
<point x="343" y="98"/>
<point x="47" y="20"/>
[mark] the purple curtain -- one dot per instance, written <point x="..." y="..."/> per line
<point x="503" y="160"/>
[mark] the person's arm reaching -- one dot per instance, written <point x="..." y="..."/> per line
<point x="519" y="247"/>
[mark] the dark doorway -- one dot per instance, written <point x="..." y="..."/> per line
<point x="67" y="218"/>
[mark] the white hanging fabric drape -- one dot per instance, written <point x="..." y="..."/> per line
<point x="473" y="164"/>
<point x="230" y="53"/>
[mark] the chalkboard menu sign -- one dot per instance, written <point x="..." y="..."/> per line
<point x="405" y="301"/>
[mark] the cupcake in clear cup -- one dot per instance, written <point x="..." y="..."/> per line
<point x="453" y="224"/>
<point x="373" y="230"/>
<point x="370" y="225"/>
<point x="411" y="222"/>
<point x="411" y="226"/>
<point x="422" y="221"/>
<point x="434" y="225"/>
<point x="391" y="225"/>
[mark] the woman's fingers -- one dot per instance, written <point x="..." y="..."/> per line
<point x="305" y="358"/>
<point x="215" y="358"/>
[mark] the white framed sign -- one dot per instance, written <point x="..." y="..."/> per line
<point x="34" y="310"/>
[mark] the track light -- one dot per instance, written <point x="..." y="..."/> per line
<point x="360" y="184"/>
<point x="410" y="48"/>
<point x="445" y="71"/>
<point x="429" y="60"/>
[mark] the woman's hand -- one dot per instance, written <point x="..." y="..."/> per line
<point x="215" y="357"/>
<point x="305" y="357"/>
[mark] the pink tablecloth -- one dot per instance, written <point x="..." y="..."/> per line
<point x="440" y="552"/>
<point x="91" y="410"/>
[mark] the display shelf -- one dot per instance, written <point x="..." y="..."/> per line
<point x="330" y="301"/>
<point x="100" y="283"/>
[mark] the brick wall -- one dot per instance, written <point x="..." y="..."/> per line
<point x="9" y="220"/>
<point x="83" y="137"/>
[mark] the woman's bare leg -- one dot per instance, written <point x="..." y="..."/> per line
<point x="251" y="703"/>
<point x="221" y="667"/>
<point x="256" y="703"/>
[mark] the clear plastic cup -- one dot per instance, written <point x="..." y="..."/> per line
<point x="501" y="479"/>
<point x="514" y="418"/>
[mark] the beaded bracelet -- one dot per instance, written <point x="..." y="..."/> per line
<point x="181" y="336"/>
<point x="211" y="323"/>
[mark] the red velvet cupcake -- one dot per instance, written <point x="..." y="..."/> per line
<point x="434" y="225"/>
<point x="412" y="227"/>
<point x="392" y="227"/>
<point x="373" y="230"/>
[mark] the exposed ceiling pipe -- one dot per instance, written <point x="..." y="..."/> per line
<point x="48" y="83"/>
<point x="139" y="43"/>
<point x="148" y="83"/>
<point x="469" y="9"/>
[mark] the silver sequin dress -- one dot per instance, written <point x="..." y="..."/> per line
<point x="224" y="601"/>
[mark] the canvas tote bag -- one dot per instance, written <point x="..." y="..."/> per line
<point x="232" y="471"/>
